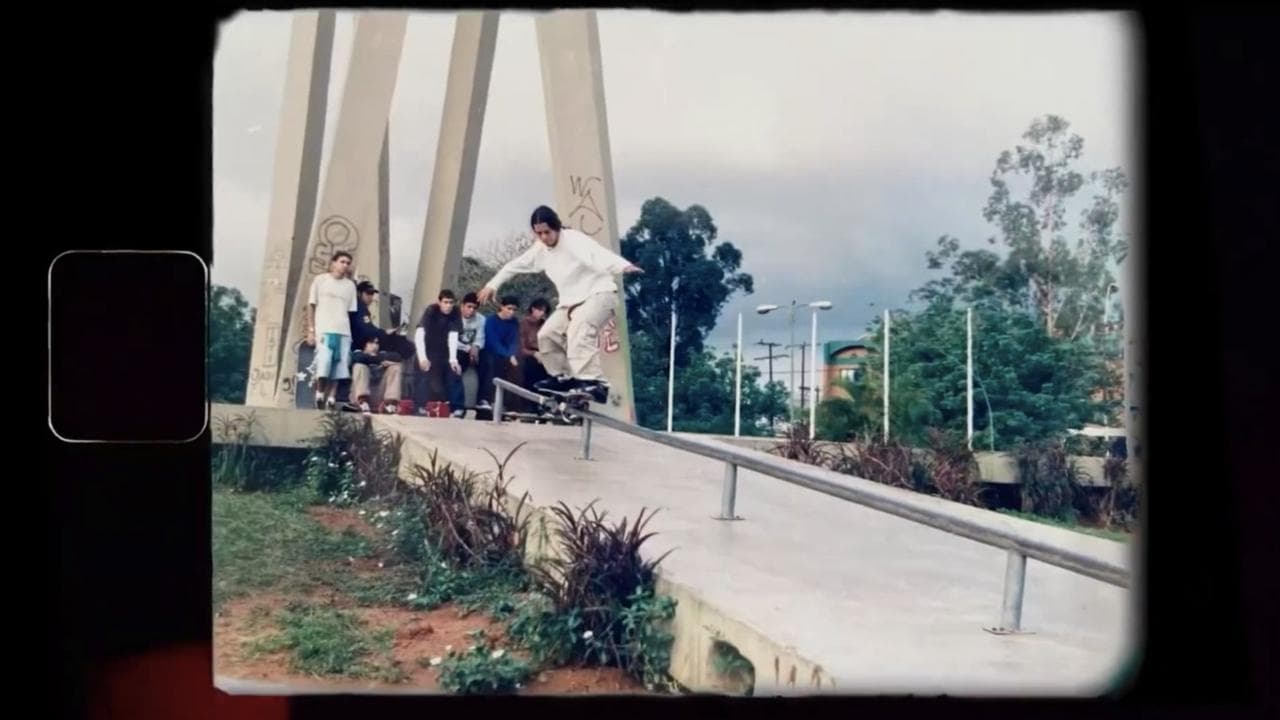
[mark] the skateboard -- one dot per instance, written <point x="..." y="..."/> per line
<point x="304" y="394"/>
<point x="538" y="418"/>
<point x="563" y="403"/>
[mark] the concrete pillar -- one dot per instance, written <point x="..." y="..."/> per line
<point x="293" y="194"/>
<point x="383" y="315"/>
<point x="475" y="35"/>
<point x="573" y="85"/>
<point x="349" y="215"/>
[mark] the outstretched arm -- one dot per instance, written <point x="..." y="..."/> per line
<point x="523" y="263"/>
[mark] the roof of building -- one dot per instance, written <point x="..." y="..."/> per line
<point x="832" y="347"/>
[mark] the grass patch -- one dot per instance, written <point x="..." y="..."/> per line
<point x="482" y="669"/>
<point x="266" y="541"/>
<point x="1115" y="535"/>
<point x="324" y="641"/>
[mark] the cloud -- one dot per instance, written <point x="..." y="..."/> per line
<point x="831" y="148"/>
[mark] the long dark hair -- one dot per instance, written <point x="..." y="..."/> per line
<point x="544" y="214"/>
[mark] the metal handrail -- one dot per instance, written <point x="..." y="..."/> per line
<point x="895" y="501"/>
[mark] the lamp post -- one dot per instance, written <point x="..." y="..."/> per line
<point x="737" y="382"/>
<point x="968" y="371"/>
<point x="886" y="375"/>
<point x="813" y="349"/>
<point x="671" y="357"/>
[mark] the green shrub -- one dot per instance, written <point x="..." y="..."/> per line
<point x="482" y="668"/>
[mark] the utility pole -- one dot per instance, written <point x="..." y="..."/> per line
<point x="770" y="357"/>
<point x="803" y="388"/>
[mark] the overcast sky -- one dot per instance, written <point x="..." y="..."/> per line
<point x="833" y="149"/>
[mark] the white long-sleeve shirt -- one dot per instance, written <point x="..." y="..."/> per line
<point x="578" y="265"/>
<point x="420" y="342"/>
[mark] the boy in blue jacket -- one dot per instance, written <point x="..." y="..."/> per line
<point x="501" y="340"/>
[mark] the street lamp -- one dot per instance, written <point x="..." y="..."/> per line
<point x="813" y="349"/>
<point x="671" y="358"/>
<point x="737" y="377"/>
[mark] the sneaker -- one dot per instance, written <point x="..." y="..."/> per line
<point x="319" y="402"/>
<point x="554" y="384"/>
<point x="390" y="408"/>
<point x="459" y="414"/>
<point x="597" y="389"/>
<point x="364" y="407"/>
<point x="330" y="403"/>
<point x="484" y="405"/>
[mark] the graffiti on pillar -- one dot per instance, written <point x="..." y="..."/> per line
<point x="262" y="375"/>
<point x="586" y="215"/>
<point x="334" y="233"/>
<point x="609" y="336"/>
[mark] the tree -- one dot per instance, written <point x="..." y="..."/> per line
<point x="1061" y="275"/>
<point x="476" y="271"/>
<point x="1039" y="358"/>
<point x="230" y="343"/>
<point x="682" y="265"/>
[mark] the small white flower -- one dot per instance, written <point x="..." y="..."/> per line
<point x="333" y="464"/>
<point x="588" y="635"/>
<point x="361" y="513"/>
<point x="436" y="661"/>
<point x="350" y="559"/>
<point x="413" y="596"/>
<point x="383" y="513"/>
<point x="497" y="653"/>
<point x="379" y="565"/>
<point x="363" y="483"/>
<point x="395" y="532"/>
<point x="448" y="648"/>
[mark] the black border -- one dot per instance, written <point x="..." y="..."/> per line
<point x="130" y="139"/>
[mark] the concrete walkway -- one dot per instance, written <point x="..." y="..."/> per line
<point x="880" y="604"/>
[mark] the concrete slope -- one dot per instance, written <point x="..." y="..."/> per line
<point x="871" y="602"/>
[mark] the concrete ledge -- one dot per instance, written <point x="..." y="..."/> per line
<point x="999" y="468"/>
<point x="272" y="427"/>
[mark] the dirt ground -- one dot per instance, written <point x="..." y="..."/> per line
<point x="417" y="635"/>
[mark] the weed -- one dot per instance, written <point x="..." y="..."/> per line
<point x="325" y="641"/>
<point x="237" y="464"/>
<point x="482" y="668"/>
<point x="1049" y="481"/>
<point x="600" y="609"/>
<point x="467" y="526"/>
<point x="951" y="470"/>
<point x="798" y="446"/>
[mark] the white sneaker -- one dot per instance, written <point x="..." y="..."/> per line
<point x="460" y="414"/>
<point x="390" y="408"/>
<point x="484" y="405"/>
<point x="364" y="407"/>
<point x="330" y="403"/>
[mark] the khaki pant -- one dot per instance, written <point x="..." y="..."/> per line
<point x="569" y="341"/>
<point x="388" y="389"/>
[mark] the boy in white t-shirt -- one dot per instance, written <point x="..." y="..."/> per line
<point x="333" y="296"/>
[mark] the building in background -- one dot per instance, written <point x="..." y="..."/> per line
<point x="842" y="359"/>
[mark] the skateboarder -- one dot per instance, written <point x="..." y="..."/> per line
<point x="582" y="270"/>
<point x="332" y="298"/>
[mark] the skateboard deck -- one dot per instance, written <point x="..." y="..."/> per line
<point x="539" y="418"/>
<point x="563" y="403"/>
<point x="304" y="394"/>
